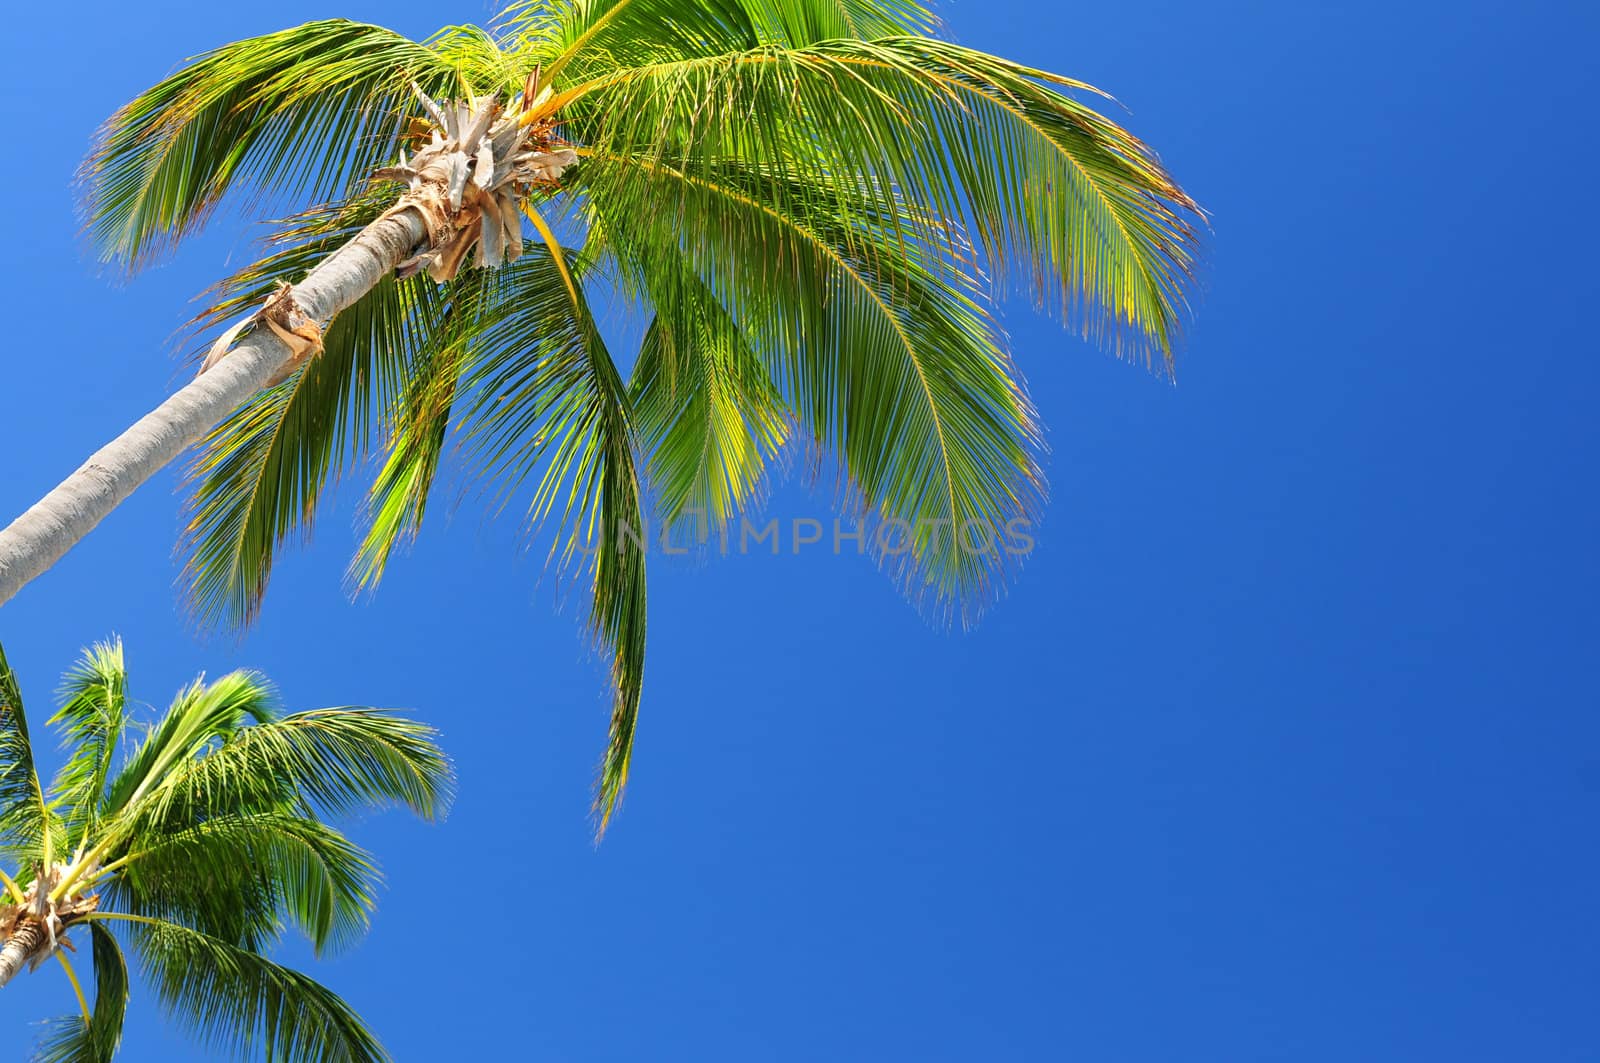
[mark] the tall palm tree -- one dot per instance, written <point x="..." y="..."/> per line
<point x="195" y="852"/>
<point x="806" y="203"/>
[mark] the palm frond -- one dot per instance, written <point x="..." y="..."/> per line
<point x="575" y="39"/>
<point x="238" y="876"/>
<point x="335" y="760"/>
<point x="798" y="23"/>
<point x="29" y="830"/>
<point x="708" y="413"/>
<point x="1057" y="196"/>
<point x="75" y="1040"/>
<point x="419" y="425"/>
<point x="92" y="718"/>
<point x="235" y="1000"/>
<point x="879" y="348"/>
<point x="547" y="396"/>
<point x="578" y="40"/>
<point x="200" y="717"/>
<point x="312" y="109"/>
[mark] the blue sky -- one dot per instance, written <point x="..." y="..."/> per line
<point x="1283" y="745"/>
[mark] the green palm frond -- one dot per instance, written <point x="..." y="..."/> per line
<point x="335" y="760"/>
<point x="582" y="39"/>
<point x="1067" y="201"/>
<point x="312" y="109"/>
<point x="232" y="875"/>
<point x="95" y="1040"/>
<point x="92" y="718"/>
<point x="879" y="347"/>
<point x="202" y="716"/>
<point x="229" y="898"/>
<point x="547" y="399"/>
<point x="709" y="415"/>
<point x="418" y="428"/>
<point x="29" y="827"/>
<point x="236" y="1000"/>
<point x="798" y="23"/>
<point x="572" y="39"/>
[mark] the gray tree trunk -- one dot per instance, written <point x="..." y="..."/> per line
<point x="37" y="539"/>
<point x="20" y="946"/>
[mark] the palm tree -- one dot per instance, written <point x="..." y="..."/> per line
<point x="196" y="851"/>
<point x="807" y="205"/>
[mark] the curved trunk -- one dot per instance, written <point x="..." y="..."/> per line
<point x="38" y="538"/>
<point x="20" y="947"/>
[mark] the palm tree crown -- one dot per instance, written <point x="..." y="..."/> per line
<point x="196" y="850"/>
<point x="808" y="204"/>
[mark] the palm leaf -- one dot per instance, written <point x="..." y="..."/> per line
<point x="312" y="109"/>
<point x="419" y="425"/>
<point x="235" y="1000"/>
<point x="878" y="348"/>
<point x="92" y="717"/>
<point x="1067" y="201"/>
<point x="29" y="830"/>
<point x="95" y="1040"/>
<point x="333" y="760"/>
<point x="235" y="876"/>
<point x="709" y="415"/>
<point x="201" y="716"/>
<point x="546" y="395"/>
<point x="581" y="40"/>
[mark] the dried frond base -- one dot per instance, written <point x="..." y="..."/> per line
<point x="468" y="180"/>
<point x="283" y="316"/>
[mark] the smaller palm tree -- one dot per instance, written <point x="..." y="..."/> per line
<point x="197" y="852"/>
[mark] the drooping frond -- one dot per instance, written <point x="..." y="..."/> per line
<point x="1055" y="195"/>
<point x="799" y="23"/>
<point x="29" y="830"/>
<point x="92" y="718"/>
<point x="261" y="473"/>
<point x="547" y="396"/>
<point x="218" y="894"/>
<point x="236" y="876"/>
<point x="313" y="109"/>
<point x="877" y="345"/>
<point x="235" y="1000"/>
<point x="74" y="1040"/>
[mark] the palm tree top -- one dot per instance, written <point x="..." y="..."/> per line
<point x="810" y="204"/>
<point x="196" y="845"/>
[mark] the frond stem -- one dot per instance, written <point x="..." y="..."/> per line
<point x="555" y="253"/>
<point x="566" y="57"/>
<point x="12" y="888"/>
<point x="77" y="987"/>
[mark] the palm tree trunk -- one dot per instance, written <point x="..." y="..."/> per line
<point x="37" y="539"/>
<point x="19" y="947"/>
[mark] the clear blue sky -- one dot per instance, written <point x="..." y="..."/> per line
<point x="1282" y="747"/>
